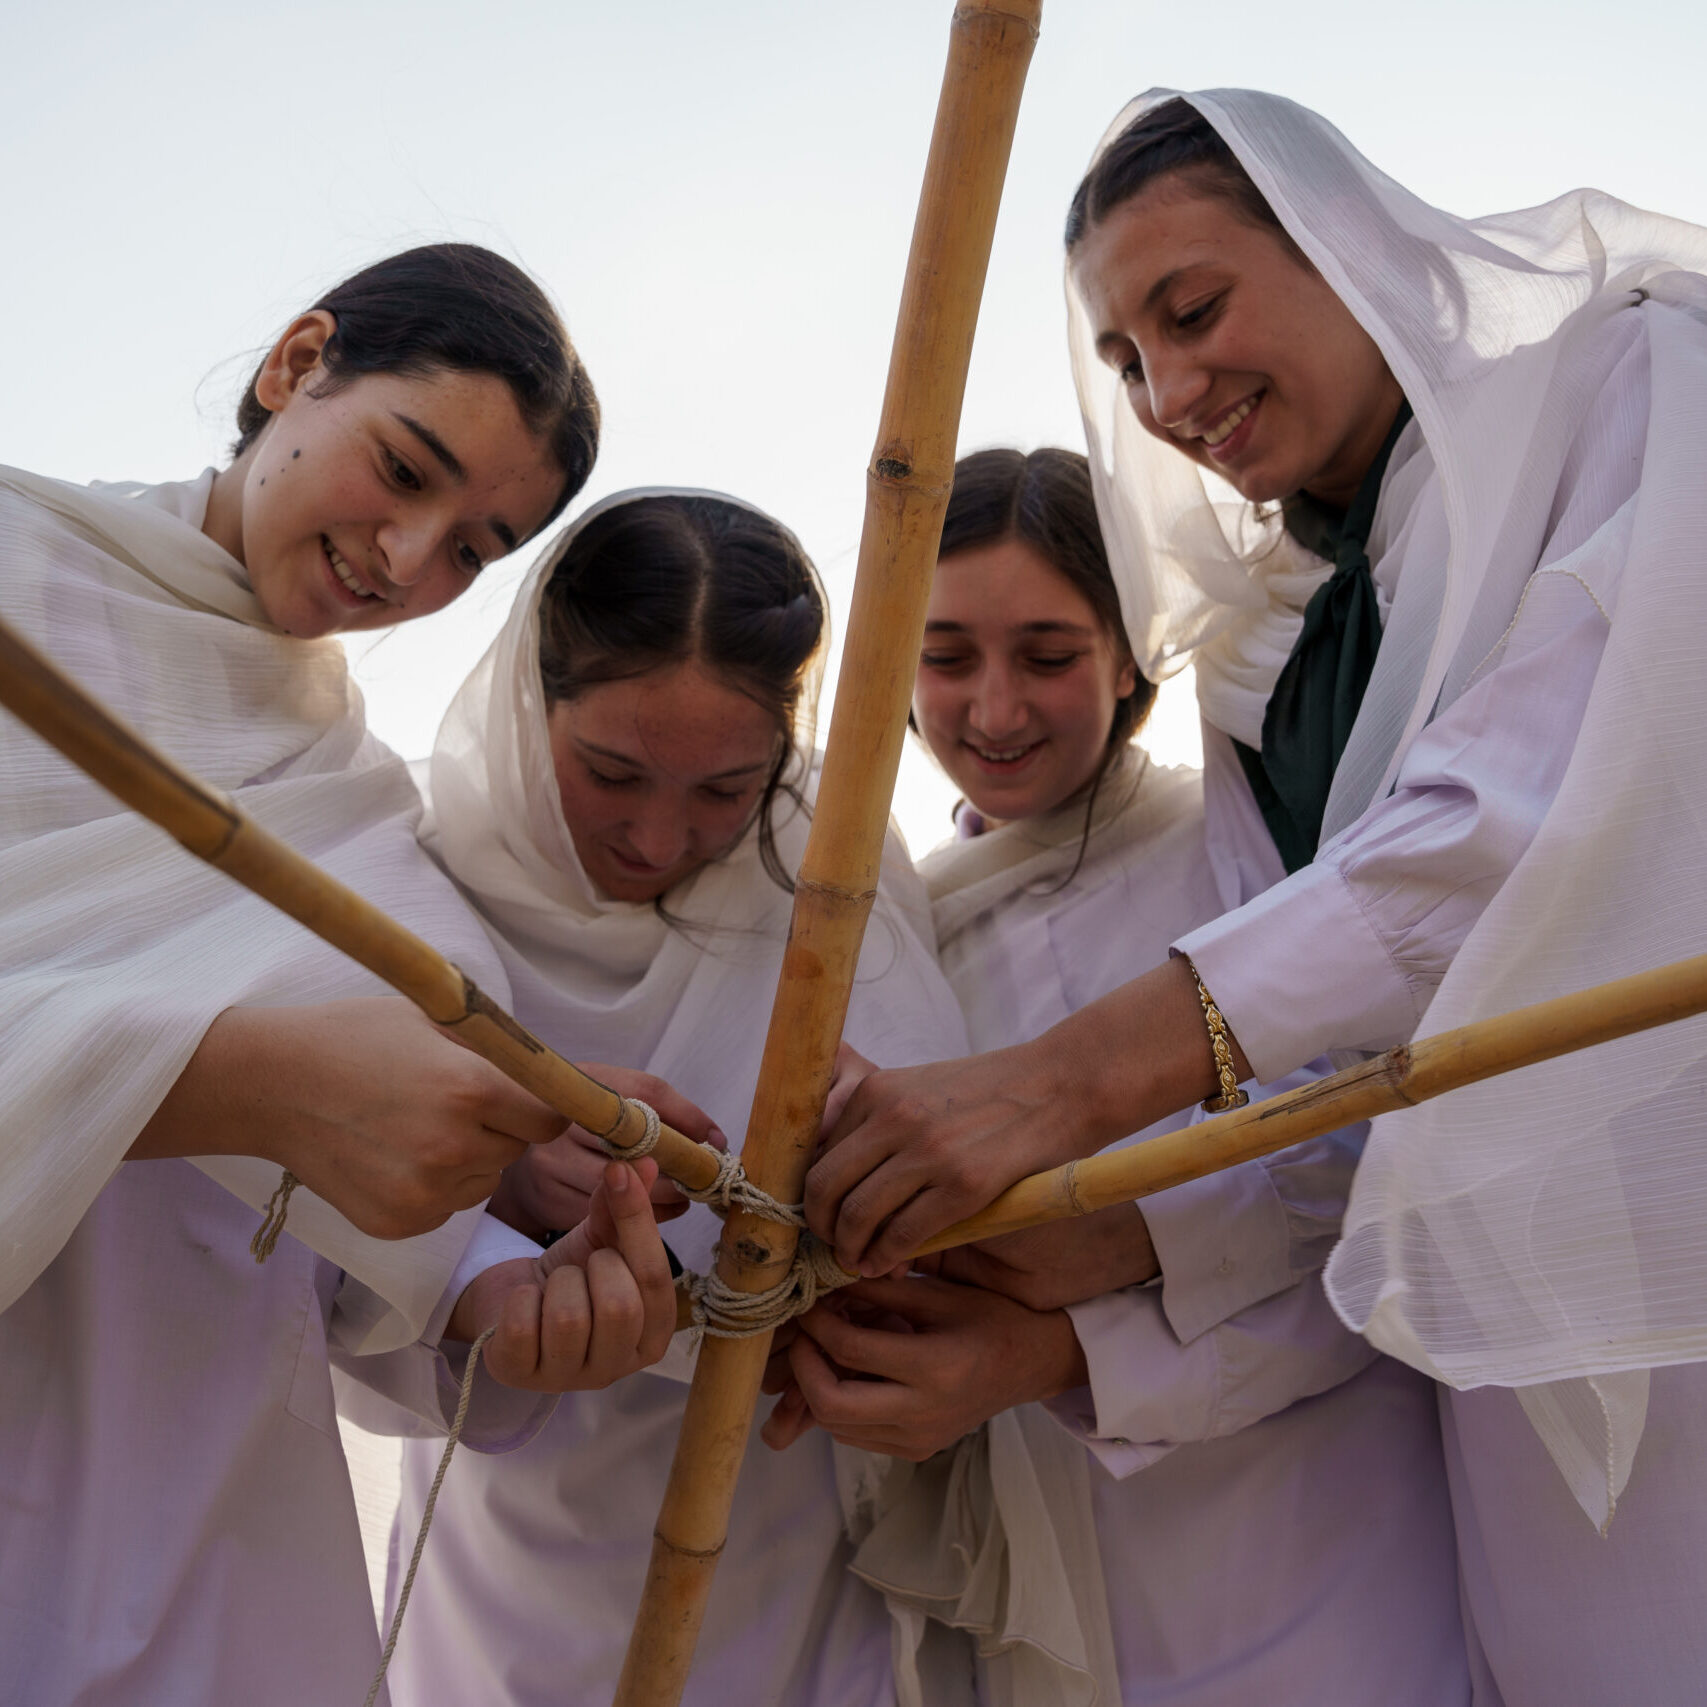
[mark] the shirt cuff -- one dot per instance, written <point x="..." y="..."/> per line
<point x="1224" y="1242"/>
<point x="1255" y="960"/>
<point x="1146" y="1393"/>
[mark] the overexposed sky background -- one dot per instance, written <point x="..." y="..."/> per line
<point x="720" y="199"/>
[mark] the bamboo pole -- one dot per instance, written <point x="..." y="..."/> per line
<point x="210" y="825"/>
<point x="1412" y="1073"/>
<point x="907" y="487"/>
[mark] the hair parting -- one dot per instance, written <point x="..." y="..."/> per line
<point x="1170" y="139"/>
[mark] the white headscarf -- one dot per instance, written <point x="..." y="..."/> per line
<point x="614" y="981"/>
<point x="1540" y="1227"/>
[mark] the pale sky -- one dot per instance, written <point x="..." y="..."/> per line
<point x="719" y="198"/>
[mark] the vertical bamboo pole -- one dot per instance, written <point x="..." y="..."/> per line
<point x="907" y="488"/>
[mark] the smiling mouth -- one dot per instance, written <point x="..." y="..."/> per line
<point x="1002" y="758"/>
<point x="346" y="576"/>
<point x="1216" y="436"/>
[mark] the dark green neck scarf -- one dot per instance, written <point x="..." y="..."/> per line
<point x="1320" y="687"/>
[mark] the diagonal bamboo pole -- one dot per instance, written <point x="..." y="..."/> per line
<point x="209" y="824"/>
<point x="906" y="493"/>
<point x="1412" y="1073"/>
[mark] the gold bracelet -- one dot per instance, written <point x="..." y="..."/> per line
<point x="1231" y="1096"/>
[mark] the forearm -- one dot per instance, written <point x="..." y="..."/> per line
<point x="1135" y="1056"/>
<point x="221" y="1103"/>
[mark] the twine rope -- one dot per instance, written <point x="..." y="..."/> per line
<point x="427" y="1515"/>
<point x="731" y="1190"/>
<point x="266" y="1239"/>
<point x="719" y="1309"/>
<point x="726" y="1313"/>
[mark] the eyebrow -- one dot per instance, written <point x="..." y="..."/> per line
<point x="1046" y="627"/>
<point x="1107" y="341"/>
<point x="635" y="764"/>
<point x="452" y="465"/>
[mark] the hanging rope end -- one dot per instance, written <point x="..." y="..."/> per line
<point x="266" y="1238"/>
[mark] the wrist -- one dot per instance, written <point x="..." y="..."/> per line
<point x="1060" y="1363"/>
<point x="1061" y="1082"/>
<point x="1092" y="1082"/>
<point x="219" y="1105"/>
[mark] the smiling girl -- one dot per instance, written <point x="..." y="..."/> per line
<point x="178" y="1519"/>
<point x="1185" y="1342"/>
<point x="1436" y="595"/>
<point x="620" y="789"/>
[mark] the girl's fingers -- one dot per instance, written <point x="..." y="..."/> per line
<point x="565" y="1328"/>
<point x="610" y="1303"/>
<point x="512" y="1357"/>
<point x="869" y="1351"/>
<point x="618" y="1320"/>
<point x="643" y="1255"/>
<point x="789" y="1420"/>
<point x="836" y="1403"/>
<point x="912" y="1222"/>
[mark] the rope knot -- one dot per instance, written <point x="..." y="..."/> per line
<point x="726" y="1313"/>
<point x="648" y="1140"/>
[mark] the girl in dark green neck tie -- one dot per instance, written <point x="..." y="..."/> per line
<point x="1465" y="681"/>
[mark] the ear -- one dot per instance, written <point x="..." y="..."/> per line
<point x="1126" y="683"/>
<point x="293" y="358"/>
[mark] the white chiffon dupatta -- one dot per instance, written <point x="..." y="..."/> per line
<point x="1541" y="1230"/>
<point x="117" y="948"/>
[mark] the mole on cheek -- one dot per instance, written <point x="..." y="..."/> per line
<point x="295" y="454"/>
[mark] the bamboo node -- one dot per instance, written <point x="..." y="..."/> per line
<point x="1070" y="1184"/>
<point x="711" y="1554"/>
<point x="836" y="891"/>
<point x="892" y="468"/>
<point x="234" y="821"/>
<point x="1397" y="1063"/>
<point x="476" y="1003"/>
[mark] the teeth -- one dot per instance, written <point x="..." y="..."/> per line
<point x="1001" y="755"/>
<point x="1224" y="427"/>
<point x="342" y="570"/>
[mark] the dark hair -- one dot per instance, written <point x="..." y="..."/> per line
<point x="1171" y="138"/>
<point x="1045" y="500"/>
<point x="458" y="307"/>
<point x="668" y="579"/>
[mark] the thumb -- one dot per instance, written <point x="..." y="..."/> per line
<point x="600" y="1229"/>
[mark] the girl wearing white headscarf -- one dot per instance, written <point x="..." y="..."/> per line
<point x="178" y="1520"/>
<point x="618" y="790"/>
<point x="1246" y="1450"/>
<point x="1453" y="773"/>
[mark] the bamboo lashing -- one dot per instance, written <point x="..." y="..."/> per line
<point x="210" y="825"/>
<point x="907" y="487"/>
<point x="1403" y="1077"/>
